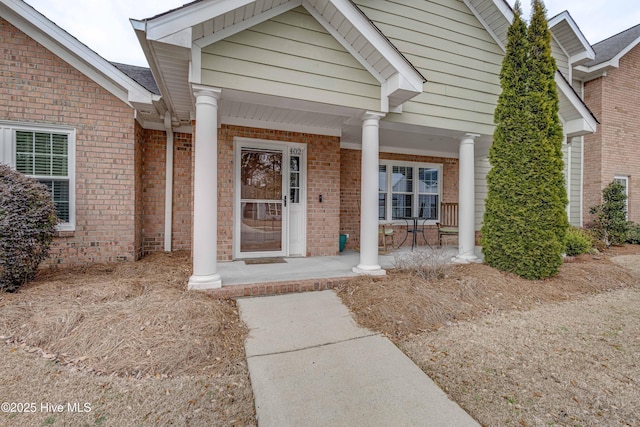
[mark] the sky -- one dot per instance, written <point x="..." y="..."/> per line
<point x="103" y="25"/>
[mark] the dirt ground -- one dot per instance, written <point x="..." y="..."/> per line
<point x="128" y="341"/>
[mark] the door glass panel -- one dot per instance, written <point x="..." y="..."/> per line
<point x="261" y="202"/>
<point x="261" y="175"/>
<point x="261" y="227"/>
<point x="294" y="179"/>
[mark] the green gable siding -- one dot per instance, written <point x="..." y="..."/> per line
<point x="562" y="60"/>
<point x="453" y="50"/>
<point x="573" y="176"/>
<point x="291" y="55"/>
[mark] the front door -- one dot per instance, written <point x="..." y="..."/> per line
<point x="262" y="202"/>
<point x="269" y="207"/>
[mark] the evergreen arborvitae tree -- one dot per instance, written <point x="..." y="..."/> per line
<point x="525" y="221"/>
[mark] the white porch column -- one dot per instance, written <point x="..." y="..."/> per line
<point x="369" y="196"/>
<point x="466" y="200"/>
<point x="205" y="192"/>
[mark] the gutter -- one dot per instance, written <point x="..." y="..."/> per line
<point x="168" y="192"/>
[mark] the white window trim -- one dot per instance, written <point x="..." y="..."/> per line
<point x="8" y="156"/>
<point x="414" y="208"/>
<point x="624" y="178"/>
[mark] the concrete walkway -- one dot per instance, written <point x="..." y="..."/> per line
<point x="311" y="365"/>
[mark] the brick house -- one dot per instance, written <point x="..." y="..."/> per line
<point x="611" y="91"/>
<point x="269" y="130"/>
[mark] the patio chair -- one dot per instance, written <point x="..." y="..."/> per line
<point x="386" y="233"/>
<point x="448" y="224"/>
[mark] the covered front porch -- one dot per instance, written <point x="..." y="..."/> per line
<point x="332" y="132"/>
<point x="307" y="273"/>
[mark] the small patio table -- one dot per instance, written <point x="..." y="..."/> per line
<point x="414" y="229"/>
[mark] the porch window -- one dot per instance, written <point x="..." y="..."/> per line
<point x="45" y="155"/>
<point x="413" y="189"/>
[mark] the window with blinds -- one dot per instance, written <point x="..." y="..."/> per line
<point x="409" y="189"/>
<point x="45" y="157"/>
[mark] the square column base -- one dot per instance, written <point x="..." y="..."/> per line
<point x="202" y="283"/>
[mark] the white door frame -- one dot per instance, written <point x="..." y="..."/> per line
<point x="288" y="149"/>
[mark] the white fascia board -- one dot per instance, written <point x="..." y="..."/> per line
<point x="247" y="23"/>
<point x="565" y="16"/>
<point x="336" y="35"/>
<point x="149" y="53"/>
<point x="615" y="62"/>
<point x="72" y="51"/>
<point x="591" y="73"/>
<point x="562" y="85"/>
<point x="578" y="127"/>
<point x="181" y="38"/>
<point x="188" y="16"/>
<point x="505" y="9"/>
<point x="581" y="57"/>
<point x="379" y="42"/>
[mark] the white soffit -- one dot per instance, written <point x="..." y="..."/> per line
<point x="568" y="35"/>
<point x="495" y="15"/>
<point x="578" y="119"/>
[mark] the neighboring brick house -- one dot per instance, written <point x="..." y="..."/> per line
<point x="67" y="117"/>
<point x="267" y="128"/>
<point x="612" y="92"/>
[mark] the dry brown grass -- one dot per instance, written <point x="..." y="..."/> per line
<point x="127" y="319"/>
<point x="403" y="304"/>
<point x="559" y="352"/>
<point x="133" y="321"/>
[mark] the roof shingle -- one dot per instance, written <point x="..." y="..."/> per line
<point x="609" y="48"/>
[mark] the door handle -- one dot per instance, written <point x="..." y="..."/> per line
<point x="285" y="201"/>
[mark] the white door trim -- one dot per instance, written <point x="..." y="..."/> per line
<point x="286" y="147"/>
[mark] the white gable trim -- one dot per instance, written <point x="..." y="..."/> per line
<point x="188" y="16"/>
<point x="68" y="48"/>
<point x="587" y="51"/>
<point x="382" y="45"/>
<point x="175" y="28"/>
<point x="601" y="69"/>
<point x="486" y="26"/>
<point x="247" y="23"/>
<point x="615" y="62"/>
<point x="586" y="124"/>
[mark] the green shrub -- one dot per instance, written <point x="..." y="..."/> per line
<point x="611" y="216"/>
<point x="577" y="241"/>
<point x="525" y="217"/>
<point x="633" y="236"/>
<point x="27" y="225"/>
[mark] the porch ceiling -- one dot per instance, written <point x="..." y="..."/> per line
<point x="270" y="112"/>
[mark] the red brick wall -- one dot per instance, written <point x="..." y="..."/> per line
<point x="36" y="86"/>
<point x="592" y="176"/>
<point x="323" y="177"/>
<point x="350" y="192"/>
<point x="616" y="144"/>
<point x="153" y="194"/>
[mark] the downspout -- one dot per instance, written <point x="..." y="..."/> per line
<point x="168" y="191"/>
